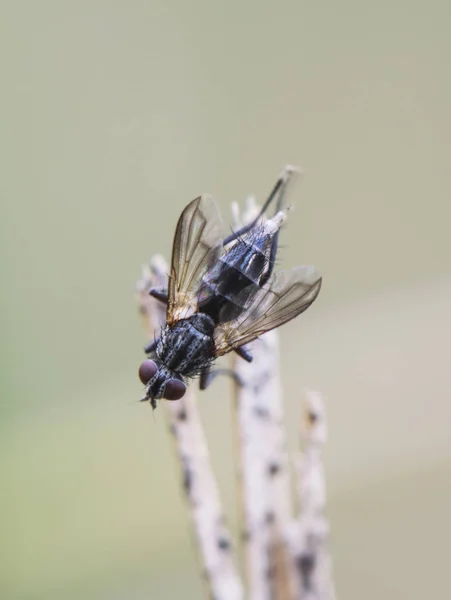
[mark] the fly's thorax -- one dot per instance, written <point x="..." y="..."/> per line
<point x="203" y="324"/>
<point x="187" y="346"/>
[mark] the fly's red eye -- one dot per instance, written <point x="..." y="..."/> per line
<point x="174" y="389"/>
<point x="147" y="370"/>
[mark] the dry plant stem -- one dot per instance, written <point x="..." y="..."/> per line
<point x="199" y="483"/>
<point x="308" y="534"/>
<point x="264" y="473"/>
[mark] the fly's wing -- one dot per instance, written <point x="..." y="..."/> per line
<point x="286" y="295"/>
<point x="197" y="242"/>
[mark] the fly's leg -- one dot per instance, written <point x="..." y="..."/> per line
<point x="160" y="295"/>
<point x="243" y="352"/>
<point x="151" y="346"/>
<point x="280" y="186"/>
<point x="275" y="242"/>
<point x="207" y="376"/>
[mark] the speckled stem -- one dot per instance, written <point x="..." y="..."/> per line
<point x="263" y="463"/>
<point x="264" y="474"/>
<point x="199" y="482"/>
<point x="308" y="534"/>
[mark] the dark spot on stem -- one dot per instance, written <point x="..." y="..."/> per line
<point x="312" y="417"/>
<point x="273" y="469"/>
<point x="182" y="416"/>
<point x="269" y="517"/>
<point x="306" y="565"/>
<point x="223" y="543"/>
<point x="187" y="479"/>
<point x="270" y="572"/>
<point x="258" y="387"/>
<point x="261" y="412"/>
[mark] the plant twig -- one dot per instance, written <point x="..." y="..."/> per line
<point x="199" y="482"/>
<point x="286" y="558"/>
<point x="308" y="534"/>
<point x="264" y="475"/>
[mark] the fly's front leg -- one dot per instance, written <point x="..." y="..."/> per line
<point x="275" y="240"/>
<point x="151" y="346"/>
<point x="207" y="376"/>
<point x="243" y="352"/>
<point x="160" y="295"/>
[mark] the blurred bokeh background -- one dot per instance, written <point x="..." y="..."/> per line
<point x="114" y="116"/>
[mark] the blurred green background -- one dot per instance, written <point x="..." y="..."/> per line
<point x="114" y="116"/>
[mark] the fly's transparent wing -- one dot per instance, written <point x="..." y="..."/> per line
<point x="197" y="242"/>
<point x="286" y="295"/>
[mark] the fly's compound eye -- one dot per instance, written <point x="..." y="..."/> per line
<point x="174" y="389"/>
<point x="147" y="370"/>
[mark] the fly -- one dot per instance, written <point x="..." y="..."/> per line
<point x="222" y="294"/>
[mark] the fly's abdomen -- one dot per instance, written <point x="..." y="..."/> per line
<point x="227" y="287"/>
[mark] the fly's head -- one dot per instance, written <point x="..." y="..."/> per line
<point x="160" y="382"/>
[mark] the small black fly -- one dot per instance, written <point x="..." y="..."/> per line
<point x="222" y="294"/>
